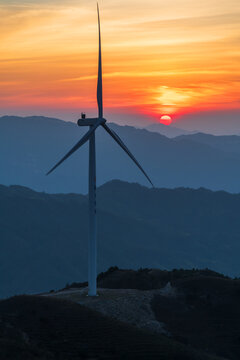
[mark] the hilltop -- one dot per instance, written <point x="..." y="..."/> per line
<point x="144" y="314"/>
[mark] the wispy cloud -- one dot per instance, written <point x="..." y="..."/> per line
<point x="48" y="48"/>
<point x="132" y="74"/>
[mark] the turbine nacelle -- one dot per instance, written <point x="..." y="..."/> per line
<point x="90" y="121"/>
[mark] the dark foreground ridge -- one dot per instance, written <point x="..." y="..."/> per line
<point x="44" y="328"/>
<point x="199" y="310"/>
<point x="147" y="279"/>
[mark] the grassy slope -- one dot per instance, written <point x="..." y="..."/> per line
<point x="205" y="313"/>
<point x="46" y="328"/>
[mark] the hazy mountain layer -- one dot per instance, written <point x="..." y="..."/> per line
<point x="44" y="237"/>
<point x="225" y="143"/>
<point x="167" y="130"/>
<point x="29" y="147"/>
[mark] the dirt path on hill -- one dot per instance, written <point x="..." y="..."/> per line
<point x="127" y="305"/>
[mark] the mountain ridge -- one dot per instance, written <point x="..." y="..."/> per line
<point x="44" y="236"/>
<point x="29" y="147"/>
<point x="167" y="130"/>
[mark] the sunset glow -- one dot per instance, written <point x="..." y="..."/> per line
<point x="158" y="58"/>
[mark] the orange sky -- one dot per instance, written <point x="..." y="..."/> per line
<point x="159" y="57"/>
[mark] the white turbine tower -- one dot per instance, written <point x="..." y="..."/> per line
<point x="93" y="123"/>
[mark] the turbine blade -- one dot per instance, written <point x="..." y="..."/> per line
<point x="84" y="139"/>
<point x="123" y="146"/>
<point x="99" y="83"/>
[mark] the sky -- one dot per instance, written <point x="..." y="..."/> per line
<point x="177" y="57"/>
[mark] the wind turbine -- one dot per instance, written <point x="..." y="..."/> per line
<point x="93" y="124"/>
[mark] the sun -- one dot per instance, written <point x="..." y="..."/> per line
<point x="165" y="119"/>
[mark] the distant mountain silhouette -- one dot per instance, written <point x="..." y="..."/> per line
<point x="225" y="143"/>
<point x="167" y="130"/>
<point x="29" y="147"/>
<point x="44" y="237"/>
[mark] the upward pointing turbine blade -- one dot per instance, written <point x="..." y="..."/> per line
<point x="99" y="83"/>
<point x="123" y="146"/>
<point x="78" y="145"/>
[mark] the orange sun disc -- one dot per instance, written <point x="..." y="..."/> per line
<point x="165" y="119"/>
